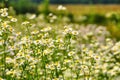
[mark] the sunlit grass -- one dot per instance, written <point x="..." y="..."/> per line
<point x="87" y="9"/>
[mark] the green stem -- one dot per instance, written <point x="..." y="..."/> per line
<point x="71" y="74"/>
<point x="4" y="60"/>
<point x="28" y="31"/>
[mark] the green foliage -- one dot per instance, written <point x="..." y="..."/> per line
<point x="95" y="19"/>
<point x="45" y="7"/>
<point x="71" y="17"/>
<point x="56" y="51"/>
<point x="24" y="6"/>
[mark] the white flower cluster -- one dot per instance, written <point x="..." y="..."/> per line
<point x="46" y="53"/>
<point x="61" y="7"/>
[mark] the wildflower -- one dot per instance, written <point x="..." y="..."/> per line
<point x="54" y="17"/>
<point x="18" y="33"/>
<point x="47" y="66"/>
<point x="84" y="67"/>
<point x="4" y="25"/>
<point x="9" y="60"/>
<point x="1" y="78"/>
<point x="61" y="46"/>
<point x="71" y="53"/>
<point x="74" y="32"/>
<point x="46" y="29"/>
<point x="10" y="17"/>
<point x="96" y="57"/>
<point x="112" y="72"/>
<point x="1" y="42"/>
<point x="50" y="14"/>
<point x="60" y="40"/>
<point x="64" y="68"/>
<point x="52" y="67"/>
<point x="4" y="14"/>
<point x="13" y="19"/>
<point x="9" y="72"/>
<point x="32" y="16"/>
<point x="90" y="34"/>
<point x="36" y="42"/>
<point x="11" y="29"/>
<point x="47" y="51"/>
<point x="116" y="68"/>
<point x="61" y="7"/>
<point x="3" y="10"/>
<point x="56" y="79"/>
<point x="86" y="49"/>
<point x="68" y="30"/>
<point x="16" y="73"/>
<point x="35" y="32"/>
<point x="25" y="22"/>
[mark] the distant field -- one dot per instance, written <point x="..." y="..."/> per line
<point x="53" y="47"/>
<point x="83" y="9"/>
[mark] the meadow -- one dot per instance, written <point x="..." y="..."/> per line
<point x="52" y="47"/>
<point x="100" y="14"/>
<point x="80" y="9"/>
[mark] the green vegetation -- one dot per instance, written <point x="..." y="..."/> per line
<point x="55" y="50"/>
<point x="86" y="1"/>
<point x="54" y="43"/>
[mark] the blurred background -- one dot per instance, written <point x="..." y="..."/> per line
<point x="35" y="6"/>
<point x="99" y="12"/>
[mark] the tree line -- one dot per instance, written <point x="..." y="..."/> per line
<point x="71" y="1"/>
<point x="81" y="1"/>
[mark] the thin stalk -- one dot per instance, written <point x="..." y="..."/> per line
<point x="4" y="55"/>
<point x="28" y="31"/>
<point x="4" y="59"/>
